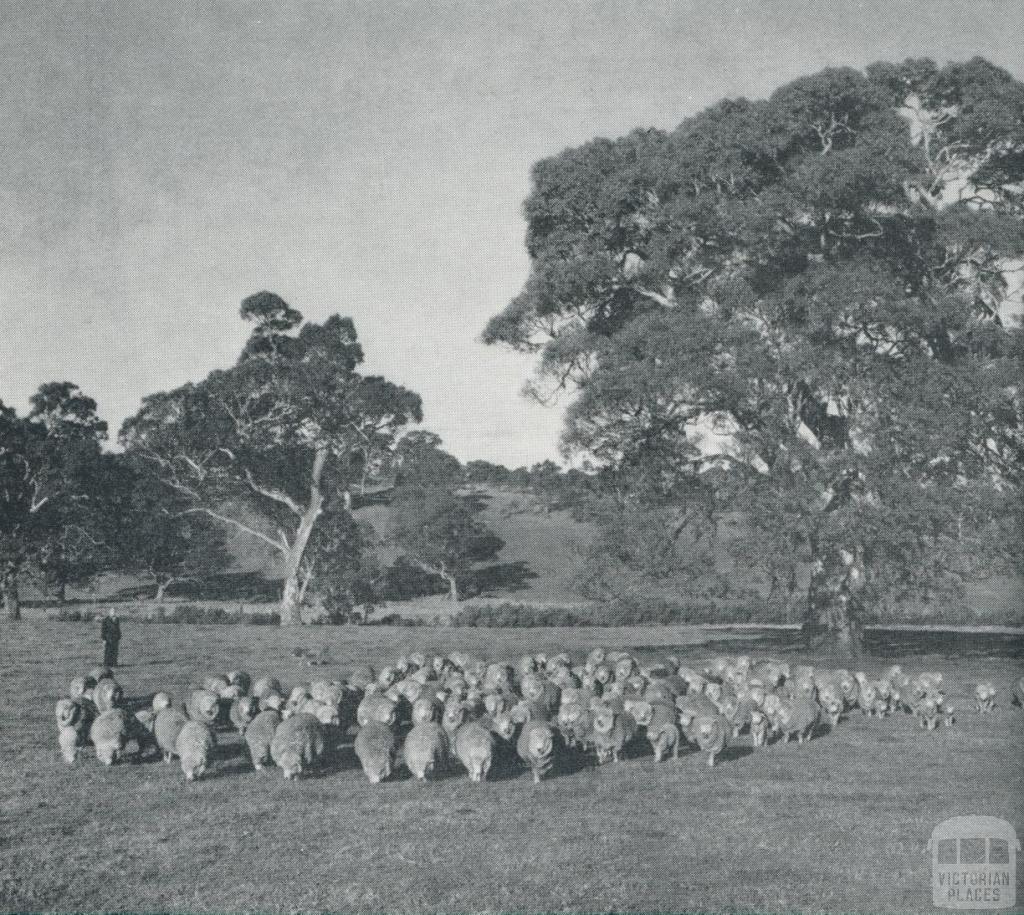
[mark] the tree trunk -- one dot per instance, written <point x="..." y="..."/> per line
<point x="62" y="592"/>
<point x="832" y="617"/>
<point x="291" y="597"/>
<point x="161" y="590"/>
<point x="453" y="588"/>
<point x="12" y="600"/>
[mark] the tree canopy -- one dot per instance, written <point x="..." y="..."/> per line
<point x="279" y="436"/>
<point x="800" y="309"/>
<point x="51" y="487"/>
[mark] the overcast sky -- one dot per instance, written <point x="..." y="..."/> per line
<point x="162" y="161"/>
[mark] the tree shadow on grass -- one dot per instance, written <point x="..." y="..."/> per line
<point x="502" y="576"/>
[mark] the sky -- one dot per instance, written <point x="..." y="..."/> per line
<point x="163" y="161"/>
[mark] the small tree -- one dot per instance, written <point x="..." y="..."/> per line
<point x="281" y="435"/>
<point x="441" y="532"/>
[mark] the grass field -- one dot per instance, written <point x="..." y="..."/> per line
<point x="839" y="824"/>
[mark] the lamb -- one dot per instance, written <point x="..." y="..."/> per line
<point x="710" y="735"/>
<point x="194" y="745"/>
<point x="167" y="726"/>
<point x="475" y="749"/>
<point x="985" y="698"/>
<point x="110" y="734"/>
<point x="798" y="716"/>
<point x="426" y="750"/>
<point x="259" y="735"/>
<point x="536" y="747"/>
<point x="376" y="747"/>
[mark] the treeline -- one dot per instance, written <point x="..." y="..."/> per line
<point x="279" y="449"/>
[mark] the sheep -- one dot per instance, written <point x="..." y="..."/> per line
<point x="574" y="724"/>
<point x="243" y="710"/>
<point x="759" y="727"/>
<point x="1018" y="693"/>
<point x="737" y="712"/>
<point x="145" y="722"/>
<point x="375" y="707"/>
<point x="612" y="733"/>
<point x="696" y="705"/>
<point x="710" y="734"/>
<point x="536" y="747"/>
<point x="798" y="716"/>
<point x="298" y="744"/>
<point x="167" y="726"/>
<point x="217" y="684"/>
<point x="72" y="727"/>
<point x="241" y="680"/>
<point x="474" y="748"/>
<point x="927" y="709"/>
<point x="425" y="750"/>
<point x="867" y="697"/>
<point x="659" y="723"/>
<point x="107" y="695"/>
<point x="194" y="745"/>
<point x="259" y="735"/>
<point x="265" y="686"/>
<point x="985" y="698"/>
<point x="203" y="705"/>
<point x="376" y="747"/>
<point x="454" y="716"/>
<point x="110" y="734"/>
<point x="831" y="702"/>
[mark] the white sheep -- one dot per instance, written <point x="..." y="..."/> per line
<point x="298" y="744"/>
<point x="194" y="745"/>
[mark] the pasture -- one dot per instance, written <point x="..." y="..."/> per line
<point x="839" y="824"/>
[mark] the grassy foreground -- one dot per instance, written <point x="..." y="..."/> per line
<point x="839" y="824"/>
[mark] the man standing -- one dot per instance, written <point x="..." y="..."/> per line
<point x="110" y="632"/>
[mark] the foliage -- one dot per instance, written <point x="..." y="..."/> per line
<point x="158" y="537"/>
<point x="798" y="310"/>
<point x="285" y="433"/>
<point x="52" y="488"/>
<point x="441" y="531"/>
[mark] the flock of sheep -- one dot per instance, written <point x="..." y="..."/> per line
<point x="543" y="712"/>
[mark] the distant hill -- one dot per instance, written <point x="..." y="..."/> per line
<point x="545" y="544"/>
